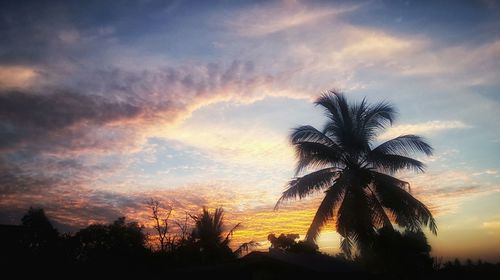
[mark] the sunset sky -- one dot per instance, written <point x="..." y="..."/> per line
<point x="105" y="104"/>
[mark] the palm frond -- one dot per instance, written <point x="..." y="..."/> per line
<point x="393" y="163"/>
<point x="379" y="216"/>
<point x="404" y="145"/>
<point x="325" y="210"/>
<point x="351" y="134"/>
<point x="344" y="109"/>
<point x="315" y="155"/>
<point x="377" y="117"/>
<point x="334" y="104"/>
<point x="337" y="108"/>
<point x="358" y="112"/>
<point x="308" y="133"/>
<point x="313" y="148"/>
<point x="303" y="186"/>
<point x="354" y="218"/>
<point x="409" y="212"/>
<point x="246" y="247"/>
<point x="338" y="133"/>
<point x="229" y="235"/>
<point x="380" y="115"/>
<point x="346" y="245"/>
<point x="353" y="126"/>
<point x="218" y="219"/>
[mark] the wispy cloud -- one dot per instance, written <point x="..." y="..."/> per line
<point x="446" y="190"/>
<point x="485" y="172"/>
<point x="250" y="146"/>
<point x="425" y="128"/>
<point x="478" y="65"/>
<point x="491" y="225"/>
<point x="272" y="17"/>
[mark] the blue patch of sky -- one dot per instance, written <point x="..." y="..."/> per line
<point x="185" y="29"/>
<point x="279" y="114"/>
<point x="161" y="156"/>
<point x="447" y="22"/>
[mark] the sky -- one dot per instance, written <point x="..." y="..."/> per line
<point x="106" y="104"/>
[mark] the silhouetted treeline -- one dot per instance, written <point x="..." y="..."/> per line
<point x="467" y="270"/>
<point x="119" y="247"/>
<point x="122" y="248"/>
<point x="288" y="243"/>
<point x="36" y="246"/>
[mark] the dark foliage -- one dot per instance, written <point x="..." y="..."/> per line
<point x="117" y="244"/>
<point x="398" y="255"/>
<point x="43" y="236"/>
<point x="119" y="249"/>
<point x="288" y="243"/>
<point x="468" y="270"/>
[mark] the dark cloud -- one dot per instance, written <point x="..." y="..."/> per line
<point x="61" y="109"/>
<point x="37" y="122"/>
<point x="14" y="179"/>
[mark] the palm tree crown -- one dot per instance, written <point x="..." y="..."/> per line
<point x="209" y="234"/>
<point x="356" y="176"/>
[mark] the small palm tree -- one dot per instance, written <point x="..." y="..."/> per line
<point x="209" y="231"/>
<point x="356" y="177"/>
<point x="210" y="238"/>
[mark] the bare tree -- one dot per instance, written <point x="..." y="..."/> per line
<point x="161" y="216"/>
<point x="184" y="227"/>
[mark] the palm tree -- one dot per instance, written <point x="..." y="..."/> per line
<point x="360" y="192"/>
<point x="209" y="234"/>
<point x="210" y="238"/>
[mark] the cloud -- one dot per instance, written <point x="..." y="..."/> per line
<point x="274" y="18"/>
<point x="354" y="56"/>
<point x="61" y="120"/>
<point x="69" y="36"/>
<point x="491" y="225"/>
<point x="174" y="92"/>
<point x="59" y="110"/>
<point x="320" y="47"/>
<point x="16" y="76"/>
<point x="444" y="191"/>
<point x="425" y="128"/>
<point x="468" y="65"/>
<point x="115" y="111"/>
<point x="17" y="179"/>
<point x="485" y="172"/>
<point x="249" y="146"/>
<point x="441" y="156"/>
<point x="366" y="47"/>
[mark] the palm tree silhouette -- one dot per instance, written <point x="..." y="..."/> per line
<point x="360" y="191"/>
<point x="209" y="233"/>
